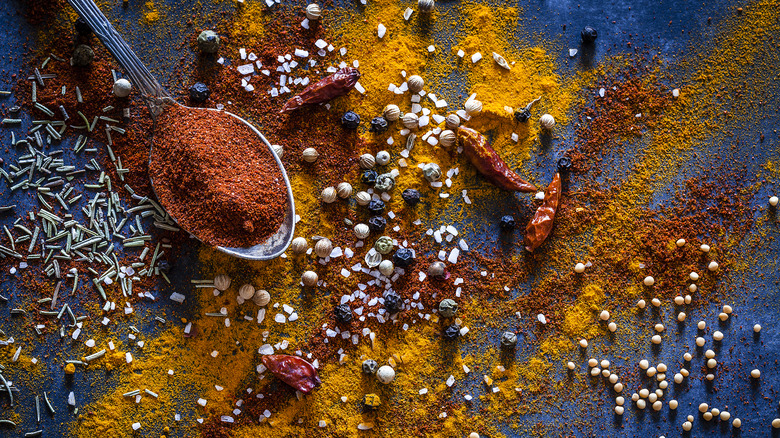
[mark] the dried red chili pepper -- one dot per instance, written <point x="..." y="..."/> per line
<point x="293" y="371"/>
<point x="330" y="87"/>
<point x="489" y="163"/>
<point x="540" y="226"/>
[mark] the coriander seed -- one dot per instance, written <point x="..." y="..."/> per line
<point x="313" y="12"/>
<point x="299" y="245"/>
<point x="410" y="121"/>
<point x="361" y="231"/>
<point x="261" y="297"/>
<point x="344" y="190"/>
<point x="452" y="121"/>
<point x="310" y="155"/>
<point x="473" y="106"/>
<point x="309" y="278"/>
<point x="323" y="248"/>
<point x="246" y="291"/>
<point x="415" y="83"/>
<point x="367" y="161"/>
<point x="362" y="198"/>
<point x="329" y="195"/>
<point x="222" y="282"/>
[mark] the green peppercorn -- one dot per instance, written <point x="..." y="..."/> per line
<point x="448" y="308"/>
<point x="384" y="182"/>
<point x="83" y="55"/>
<point x="384" y="245"/>
<point x="208" y="41"/>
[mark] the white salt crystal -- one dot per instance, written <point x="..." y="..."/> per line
<point x="381" y="30"/>
<point x="280" y="318"/>
<point x="476" y="57"/>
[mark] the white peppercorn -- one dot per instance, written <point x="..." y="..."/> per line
<point x="344" y="190"/>
<point x="309" y="278"/>
<point x="246" y="291"/>
<point x="323" y="248"/>
<point x="386" y="267"/>
<point x="382" y="158"/>
<point x="261" y="297"/>
<point x="122" y="87"/>
<point x="547" y="121"/>
<point x="391" y="113"/>
<point x="415" y="83"/>
<point x="310" y="155"/>
<point x="313" y="11"/>
<point x="299" y="245"/>
<point x="367" y="161"/>
<point x="329" y="195"/>
<point x="410" y="120"/>
<point x="362" y="198"/>
<point x="447" y="138"/>
<point x="385" y="374"/>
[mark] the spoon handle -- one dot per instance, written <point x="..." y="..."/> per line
<point x="135" y="68"/>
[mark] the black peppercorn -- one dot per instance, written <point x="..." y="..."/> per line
<point x="588" y="35"/>
<point x="378" y="125"/>
<point x="377" y="223"/>
<point x="403" y="257"/>
<point x="564" y="164"/>
<point x="199" y="92"/>
<point x="164" y="266"/>
<point x="350" y="120"/>
<point x="376" y="206"/>
<point x="452" y="332"/>
<point x="393" y="303"/>
<point x="507" y="222"/>
<point x="343" y="313"/>
<point x="411" y="196"/>
<point x="369" y="177"/>
<point x="522" y="115"/>
<point x="82" y="27"/>
<point x="370" y="366"/>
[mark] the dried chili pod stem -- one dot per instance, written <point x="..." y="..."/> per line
<point x="489" y="163"/>
<point x="293" y="371"/>
<point x="327" y="88"/>
<point x="541" y="225"/>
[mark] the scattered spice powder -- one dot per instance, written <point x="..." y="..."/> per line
<point x="214" y="175"/>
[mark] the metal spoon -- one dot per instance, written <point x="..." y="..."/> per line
<point x="157" y="99"/>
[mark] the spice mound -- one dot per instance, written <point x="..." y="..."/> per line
<point x="216" y="178"/>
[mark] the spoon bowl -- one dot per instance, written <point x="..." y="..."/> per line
<point x="158" y="99"/>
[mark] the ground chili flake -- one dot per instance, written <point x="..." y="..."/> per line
<point x="216" y="178"/>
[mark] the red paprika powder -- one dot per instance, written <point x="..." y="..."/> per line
<point x="216" y="178"/>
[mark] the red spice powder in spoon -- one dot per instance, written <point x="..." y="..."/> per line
<point x="216" y="177"/>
